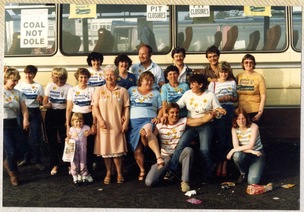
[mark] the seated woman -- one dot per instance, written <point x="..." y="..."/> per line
<point x="247" y="152"/>
<point x="200" y="103"/>
<point x="145" y="103"/>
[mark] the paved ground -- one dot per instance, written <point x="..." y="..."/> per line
<point x="39" y="189"/>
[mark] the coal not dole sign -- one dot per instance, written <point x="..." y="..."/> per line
<point x="34" y="28"/>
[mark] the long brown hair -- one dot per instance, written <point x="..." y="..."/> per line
<point x="237" y="112"/>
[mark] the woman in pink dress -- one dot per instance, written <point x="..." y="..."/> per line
<point x="111" y="108"/>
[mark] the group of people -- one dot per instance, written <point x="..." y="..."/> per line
<point x="129" y="107"/>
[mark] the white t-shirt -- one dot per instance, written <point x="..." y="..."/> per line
<point x="169" y="136"/>
<point x="97" y="78"/>
<point x="11" y="106"/>
<point x="30" y="92"/>
<point x="81" y="99"/>
<point x="198" y="106"/>
<point x="57" y="94"/>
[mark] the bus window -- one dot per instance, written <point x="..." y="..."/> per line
<point x="297" y="28"/>
<point x="29" y="34"/>
<point x="229" y="29"/>
<point x="114" y="29"/>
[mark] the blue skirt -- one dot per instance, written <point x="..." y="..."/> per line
<point x="133" y="135"/>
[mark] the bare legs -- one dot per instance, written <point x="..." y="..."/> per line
<point x="108" y="164"/>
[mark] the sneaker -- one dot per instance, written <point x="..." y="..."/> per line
<point x="185" y="187"/>
<point x="40" y="167"/>
<point x="90" y="179"/>
<point x="242" y="178"/>
<point x="169" y="176"/>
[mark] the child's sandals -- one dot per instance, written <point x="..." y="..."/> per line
<point x="160" y="162"/>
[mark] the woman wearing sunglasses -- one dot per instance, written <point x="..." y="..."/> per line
<point x="251" y="89"/>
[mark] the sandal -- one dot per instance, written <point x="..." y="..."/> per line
<point x="107" y="180"/>
<point x="141" y="176"/>
<point x="160" y="162"/>
<point x="54" y="170"/>
<point x="120" y="179"/>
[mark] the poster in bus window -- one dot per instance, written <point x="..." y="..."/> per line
<point x="82" y="11"/>
<point x="196" y="11"/>
<point x="157" y="13"/>
<point x="257" y="11"/>
<point x="34" y="28"/>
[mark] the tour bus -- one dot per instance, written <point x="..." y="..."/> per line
<point x="62" y="35"/>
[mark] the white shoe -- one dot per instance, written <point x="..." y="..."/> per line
<point x="90" y="179"/>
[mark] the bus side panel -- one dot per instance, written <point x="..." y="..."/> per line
<point x="280" y="125"/>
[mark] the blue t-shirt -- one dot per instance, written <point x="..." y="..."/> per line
<point x="171" y="94"/>
<point x="144" y="106"/>
<point x="128" y="82"/>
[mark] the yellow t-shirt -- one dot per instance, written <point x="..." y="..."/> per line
<point x="249" y="91"/>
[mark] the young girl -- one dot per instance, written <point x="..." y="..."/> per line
<point x="247" y="152"/>
<point x="79" y="132"/>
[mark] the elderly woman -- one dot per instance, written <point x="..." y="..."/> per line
<point x="145" y="104"/>
<point x="12" y="133"/>
<point x="79" y="101"/>
<point x="251" y="89"/>
<point x="111" y="108"/>
<point x="125" y="78"/>
<point x="199" y="103"/>
<point x="173" y="90"/>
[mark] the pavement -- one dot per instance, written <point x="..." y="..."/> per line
<point x="38" y="189"/>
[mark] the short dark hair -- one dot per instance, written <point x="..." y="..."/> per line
<point x="178" y="50"/>
<point x="170" y="68"/>
<point x="249" y="57"/>
<point x="212" y="49"/>
<point x="31" y="69"/>
<point x="200" y="79"/>
<point x="122" y="58"/>
<point x="94" y="56"/>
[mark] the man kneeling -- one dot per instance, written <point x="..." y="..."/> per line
<point x="169" y="135"/>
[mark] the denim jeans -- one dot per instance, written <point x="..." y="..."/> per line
<point x="12" y="139"/>
<point x="254" y="165"/>
<point x="204" y="133"/>
<point x="222" y="129"/>
<point x="34" y="136"/>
